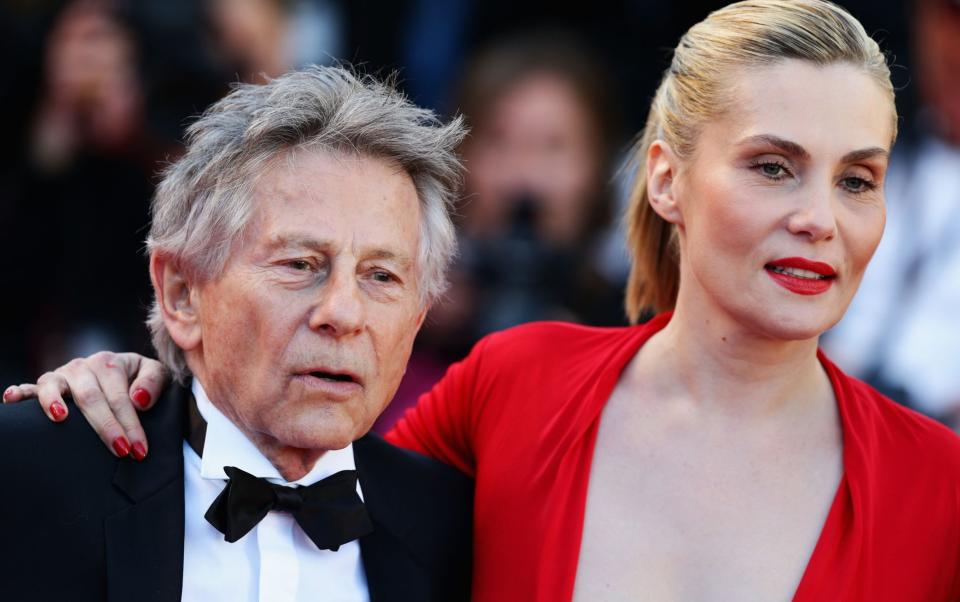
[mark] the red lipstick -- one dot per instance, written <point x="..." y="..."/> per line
<point x="802" y="276"/>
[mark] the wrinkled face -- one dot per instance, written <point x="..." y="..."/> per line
<point x="539" y="140"/>
<point x="783" y="201"/>
<point x="307" y="333"/>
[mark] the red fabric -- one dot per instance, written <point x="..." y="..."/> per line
<point x="521" y="414"/>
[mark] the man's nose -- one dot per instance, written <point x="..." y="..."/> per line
<point x="339" y="311"/>
<point x="815" y="218"/>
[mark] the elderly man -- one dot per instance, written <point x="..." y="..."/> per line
<point x="294" y="251"/>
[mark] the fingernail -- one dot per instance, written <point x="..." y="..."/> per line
<point x="58" y="411"/>
<point x="8" y="392"/>
<point x="139" y="451"/>
<point x="141" y="397"/>
<point x="121" y="446"/>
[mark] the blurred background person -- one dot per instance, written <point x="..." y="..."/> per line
<point x="545" y="132"/>
<point x="86" y="184"/>
<point x="902" y="332"/>
<point x="266" y="38"/>
<point x="537" y="204"/>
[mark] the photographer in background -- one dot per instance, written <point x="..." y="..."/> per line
<point x="544" y="134"/>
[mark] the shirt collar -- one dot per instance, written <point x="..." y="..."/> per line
<point x="226" y="445"/>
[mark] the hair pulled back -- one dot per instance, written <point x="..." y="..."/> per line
<point x="692" y="92"/>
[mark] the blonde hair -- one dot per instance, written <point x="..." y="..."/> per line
<point x="749" y="33"/>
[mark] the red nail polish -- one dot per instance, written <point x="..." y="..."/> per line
<point x="139" y="451"/>
<point x="58" y="411"/>
<point x="121" y="446"/>
<point x="141" y="397"/>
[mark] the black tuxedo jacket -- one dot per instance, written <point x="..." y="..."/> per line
<point x="80" y="524"/>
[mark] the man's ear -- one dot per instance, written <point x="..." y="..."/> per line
<point x="662" y="170"/>
<point x="177" y="300"/>
<point x="422" y="316"/>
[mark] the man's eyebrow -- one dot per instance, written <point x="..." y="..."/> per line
<point x="387" y="255"/>
<point x="787" y="146"/>
<point x="321" y="245"/>
<point x="298" y="241"/>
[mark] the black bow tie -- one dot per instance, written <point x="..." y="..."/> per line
<point x="330" y="512"/>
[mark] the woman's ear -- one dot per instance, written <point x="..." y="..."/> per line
<point x="177" y="300"/>
<point x="662" y="170"/>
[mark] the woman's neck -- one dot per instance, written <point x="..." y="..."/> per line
<point x="720" y="366"/>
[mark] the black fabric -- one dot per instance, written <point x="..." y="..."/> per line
<point x="330" y="512"/>
<point x="80" y="524"/>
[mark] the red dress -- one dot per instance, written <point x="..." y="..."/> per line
<point x="521" y="415"/>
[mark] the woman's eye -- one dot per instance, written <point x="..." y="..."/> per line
<point x="773" y="170"/>
<point x="855" y="184"/>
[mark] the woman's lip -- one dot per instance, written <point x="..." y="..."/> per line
<point x="824" y="269"/>
<point x="801" y="286"/>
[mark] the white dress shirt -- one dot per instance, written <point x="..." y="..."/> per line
<point x="275" y="561"/>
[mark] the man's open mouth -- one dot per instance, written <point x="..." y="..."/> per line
<point x="334" y="376"/>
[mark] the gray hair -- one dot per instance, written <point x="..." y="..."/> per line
<point x="203" y="204"/>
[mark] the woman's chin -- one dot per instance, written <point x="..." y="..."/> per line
<point x="787" y="324"/>
<point x="797" y="327"/>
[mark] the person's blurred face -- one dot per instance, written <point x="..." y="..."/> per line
<point x="91" y="72"/>
<point x="782" y="201"/>
<point x="538" y="141"/>
<point x="251" y="33"/>
<point x="937" y="39"/>
<point x="306" y="334"/>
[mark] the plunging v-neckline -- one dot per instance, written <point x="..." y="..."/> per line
<point x="832" y="527"/>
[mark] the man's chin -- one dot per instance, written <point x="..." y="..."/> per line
<point x="321" y="437"/>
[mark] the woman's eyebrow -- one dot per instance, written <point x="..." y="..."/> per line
<point x="787" y="146"/>
<point x="865" y="153"/>
<point x="792" y="148"/>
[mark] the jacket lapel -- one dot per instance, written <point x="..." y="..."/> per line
<point x="390" y="554"/>
<point x="145" y="539"/>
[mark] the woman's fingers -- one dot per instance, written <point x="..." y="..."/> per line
<point x="91" y="400"/>
<point x="15" y="393"/>
<point x="100" y="390"/>
<point x="148" y="378"/>
<point x="50" y="388"/>
<point x="111" y="378"/>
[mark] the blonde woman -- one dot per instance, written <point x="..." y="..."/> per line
<point x="712" y="453"/>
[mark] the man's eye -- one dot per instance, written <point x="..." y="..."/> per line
<point x="300" y="264"/>
<point x="382" y="276"/>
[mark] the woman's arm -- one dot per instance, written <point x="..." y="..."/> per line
<point x="443" y="423"/>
